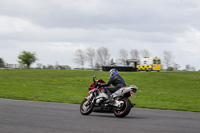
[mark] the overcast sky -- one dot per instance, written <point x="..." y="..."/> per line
<point x="54" y="29"/>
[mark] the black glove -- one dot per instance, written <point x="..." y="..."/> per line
<point x="99" y="84"/>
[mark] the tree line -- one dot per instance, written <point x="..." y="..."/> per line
<point x="98" y="58"/>
<point x="102" y="57"/>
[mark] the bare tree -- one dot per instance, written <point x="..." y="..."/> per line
<point x="2" y="64"/>
<point x="168" y="58"/>
<point x="50" y="66"/>
<point x="79" y="57"/>
<point x="176" y="67"/>
<point x="145" y="53"/>
<point x="123" y="55"/>
<point x="39" y="65"/>
<point x="90" y="55"/>
<point x="134" y="54"/>
<point x="187" y="67"/>
<point x="103" y="56"/>
<point x="192" y="68"/>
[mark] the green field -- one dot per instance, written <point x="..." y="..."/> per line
<point x="161" y="90"/>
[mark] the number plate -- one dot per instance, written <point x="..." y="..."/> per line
<point x="133" y="95"/>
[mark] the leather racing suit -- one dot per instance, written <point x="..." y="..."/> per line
<point x="117" y="81"/>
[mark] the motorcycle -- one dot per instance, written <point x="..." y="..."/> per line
<point x="96" y="101"/>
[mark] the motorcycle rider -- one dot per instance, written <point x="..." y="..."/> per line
<point x="116" y="80"/>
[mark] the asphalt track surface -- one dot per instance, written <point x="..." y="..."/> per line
<point x="18" y="116"/>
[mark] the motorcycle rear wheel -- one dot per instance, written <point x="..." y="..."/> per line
<point x="124" y="110"/>
<point x="85" y="110"/>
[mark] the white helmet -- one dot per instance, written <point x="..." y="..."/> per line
<point x="113" y="72"/>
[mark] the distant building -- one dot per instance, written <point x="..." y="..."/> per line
<point x="14" y="66"/>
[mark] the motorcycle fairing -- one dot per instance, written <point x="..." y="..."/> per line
<point x="124" y="90"/>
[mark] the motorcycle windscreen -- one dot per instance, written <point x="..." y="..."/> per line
<point x="91" y="87"/>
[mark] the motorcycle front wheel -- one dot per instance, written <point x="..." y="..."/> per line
<point x="85" y="109"/>
<point x="124" y="109"/>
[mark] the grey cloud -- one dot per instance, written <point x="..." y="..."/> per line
<point x="152" y="24"/>
<point x="130" y="15"/>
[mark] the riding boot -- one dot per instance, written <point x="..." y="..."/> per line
<point x="110" y="100"/>
<point x="110" y="97"/>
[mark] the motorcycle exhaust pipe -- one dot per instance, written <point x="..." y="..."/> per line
<point x="133" y="105"/>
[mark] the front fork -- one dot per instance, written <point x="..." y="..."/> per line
<point x="89" y="99"/>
